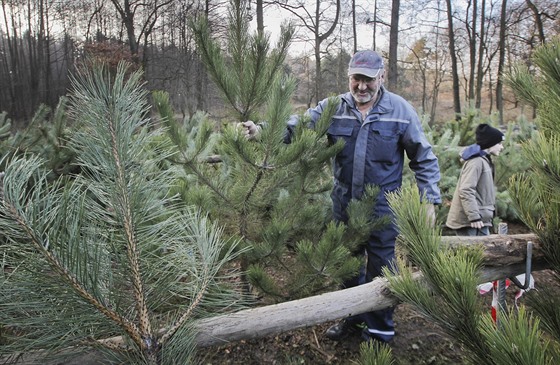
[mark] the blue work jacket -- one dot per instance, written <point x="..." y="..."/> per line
<point x="374" y="148"/>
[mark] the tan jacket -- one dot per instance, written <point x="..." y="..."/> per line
<point x="475" y="196"/>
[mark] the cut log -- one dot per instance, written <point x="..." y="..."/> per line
<point x="504" y="256"/>
<point x="500" y="250"/>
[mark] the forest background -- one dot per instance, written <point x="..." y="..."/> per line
<point x="453" y="95"/>
<point x="443" y="56"/>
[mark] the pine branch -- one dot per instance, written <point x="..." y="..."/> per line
<point x="14" y="212"/>
<point x="181" y="140"/>
<point x="453" y="276"/>
<point x="110" y="251"/>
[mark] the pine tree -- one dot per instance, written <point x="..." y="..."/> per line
<point x="109" y="253"/>
<point x="537" y="193"/>
<point x="447" y="295"/>
<point x="46" y="135"/>
<point x="273" y="196"/>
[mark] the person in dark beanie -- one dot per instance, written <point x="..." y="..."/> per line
<point x="474" y="200"/>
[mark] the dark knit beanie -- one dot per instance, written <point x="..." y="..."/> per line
<point x="487" y="136"/>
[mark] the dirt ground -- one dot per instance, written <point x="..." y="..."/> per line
<point x="417" y="342"/>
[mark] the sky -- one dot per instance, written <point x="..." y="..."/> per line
<point x="274" y="17"/>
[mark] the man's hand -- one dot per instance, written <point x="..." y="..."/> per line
<point x="477" y="224"/>
<point x="249" y="129"/>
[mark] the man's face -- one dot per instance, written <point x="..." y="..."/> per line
<point x="363" y="88"/>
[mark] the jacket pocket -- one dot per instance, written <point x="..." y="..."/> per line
<point x="340" y="130"/>
<point x="384" y="145"/>
<point x="336" y="132"/>
<point x="486" y="214"/>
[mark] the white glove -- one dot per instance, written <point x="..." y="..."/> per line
<point x="477" y="224"/>
<point x="249" y="129"/>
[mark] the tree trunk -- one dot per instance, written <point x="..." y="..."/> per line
<point x="318" y="72"/>
<point x="481" y="53"/>
<point x="504" y="256"/>
<point x="374" y="44"/>
<point x="201" y="76"/>
<point x="538" y="20"/>
<point x="12" y="52"/>
<point x="472" y="50"/>
<point x="453" y="55"/>
<point x="501" y="60"/>
<point x="393" y="77"/>
<point x="354" y="34"/>
<point x="321" y="36"/>
<point x="260" y="16"/>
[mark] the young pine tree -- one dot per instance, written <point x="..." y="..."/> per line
<point x="109" y="254"/>
<point x="45" y="135"/>
<point x="536" y="193"/>
<point x="531" y="335"/>
<point x="447" y="293"/>
<point x="273" y="196"/>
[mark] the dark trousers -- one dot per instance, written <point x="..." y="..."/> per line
<point x="379" y="252"/>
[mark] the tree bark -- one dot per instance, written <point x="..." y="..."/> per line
<point x="453" y="55"/>
<point x="260" y="16"/>
<point x="504" y="256"/>
<point x="472" y="49"/>
<point x="393" y="74"/>
<point x="501" y="61"/>
<point x="538" y="20"/>
<point x="481" y="54"/>
<point x="354" y="32"/>
<point x="319" y="38"/>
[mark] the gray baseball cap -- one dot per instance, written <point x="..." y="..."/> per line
<point x="368" y="63"/>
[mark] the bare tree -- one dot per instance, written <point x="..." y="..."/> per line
<point x="501" y="60"/>
<point x="39" y="38"/>
<point x="321" y="25"/>
<point x="260" y="16"/>
<point x="128" y="9"/>
<point x="481" y="52"/>
<point x="453" y="55"/>
<point x="418" y="57"/>
<point x="392" y="77"/>
<point x="472" y="34"/>
<point x="538" y="19"/>
<point x="26" y="57"/>
<point x="10" y="57"/>
<point x="354" y="32"/>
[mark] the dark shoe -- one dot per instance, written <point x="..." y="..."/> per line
<point x="341" y="330"/>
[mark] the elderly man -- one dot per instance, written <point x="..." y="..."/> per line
<point x="378" y="127"/>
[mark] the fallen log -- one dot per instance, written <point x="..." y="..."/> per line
<point x="504" y="256"/>
<point x="500" y="250"/>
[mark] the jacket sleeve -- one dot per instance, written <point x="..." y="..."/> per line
<point x="313" y="113"/>
<point x="423" y="161"/>
<point x="470" y="174"/>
